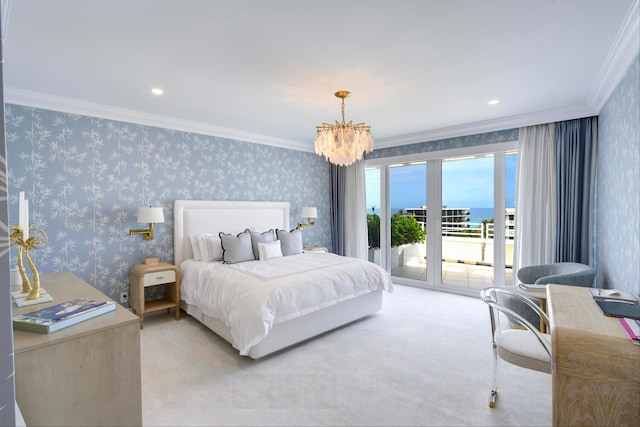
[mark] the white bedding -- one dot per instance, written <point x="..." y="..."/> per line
<point x="251" y="297"/>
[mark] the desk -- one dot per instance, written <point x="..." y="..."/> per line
<point x="85" y="374"/>
<point x="595" y="367"/>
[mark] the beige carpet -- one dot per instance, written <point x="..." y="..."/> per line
<point x="424" y="359"/>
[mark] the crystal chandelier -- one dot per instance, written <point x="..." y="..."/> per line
<point x="342" y="144"/>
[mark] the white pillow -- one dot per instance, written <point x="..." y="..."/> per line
<point x="206" y="247"/>
<point x="269" y="250"/>
<point x="195" y="247"/>
<point x="210" y="247"/>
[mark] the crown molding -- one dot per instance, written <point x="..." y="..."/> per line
<point x="623" y="51"/>
<point x="75" y="106"/>
<point x="503" y="123"/>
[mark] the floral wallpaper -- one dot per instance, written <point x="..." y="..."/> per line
<point x="618" y="186"/>
<point x="446" y="144"/>
<point x="85" y="178"/>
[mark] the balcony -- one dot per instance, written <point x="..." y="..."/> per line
<point x="455" y="274"/>
<point x="467" y="255"/>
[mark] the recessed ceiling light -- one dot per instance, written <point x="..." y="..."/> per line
<point x="157" y="91"/>
<point x="493" y="102"/>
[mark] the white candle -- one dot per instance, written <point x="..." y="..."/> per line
<point x="23" y="215"/>
<point x="25" y="230"/>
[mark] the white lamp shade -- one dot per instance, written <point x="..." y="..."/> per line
<point x="150" y="214"/>
<point x="309" y="212"/>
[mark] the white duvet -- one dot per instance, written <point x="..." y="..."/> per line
<point x="251" y="297"/>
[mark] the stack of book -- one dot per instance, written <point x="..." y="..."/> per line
<point x="621" y="304"/>
<point x="60" y="316"/>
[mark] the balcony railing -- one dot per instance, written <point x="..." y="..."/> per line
<point x="466" y="242"/>
<point x="485" y="230"/>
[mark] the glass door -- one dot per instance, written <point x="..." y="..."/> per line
<point x="444" y="219"/>
<point x="511" y="161"/>
<point x="374" y="204"/>
<point x="467" y="221"/>
<point x="408" y="220"/>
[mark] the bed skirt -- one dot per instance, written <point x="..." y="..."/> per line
<point x="296" y="330"/>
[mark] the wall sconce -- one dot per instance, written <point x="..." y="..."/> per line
<point x="308" y="212"/>
<point x="149" y="215"/>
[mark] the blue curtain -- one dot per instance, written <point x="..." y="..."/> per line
<point x="575" y="146"/>
<point x="338" y="176"/>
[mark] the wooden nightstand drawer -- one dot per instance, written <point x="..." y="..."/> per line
<point x="159" y="278"/>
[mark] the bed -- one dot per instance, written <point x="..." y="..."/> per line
<point x="347" y="289"/>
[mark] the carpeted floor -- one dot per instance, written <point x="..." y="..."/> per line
<point x="424" y="359"/>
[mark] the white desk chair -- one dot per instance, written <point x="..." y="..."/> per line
<point x="526" y="347"/>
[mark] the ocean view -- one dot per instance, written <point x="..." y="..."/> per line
<point x="476" y="214"/>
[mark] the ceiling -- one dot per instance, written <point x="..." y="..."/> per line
<point x="266" y="71"/>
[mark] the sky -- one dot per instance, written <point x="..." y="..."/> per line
<point x="466" y="183"/>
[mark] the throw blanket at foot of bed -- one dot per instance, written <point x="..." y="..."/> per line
<point x="252" y="296"/>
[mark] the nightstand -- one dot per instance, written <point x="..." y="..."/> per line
<point x="160" y="274"/>
<point x="315" y="249"/>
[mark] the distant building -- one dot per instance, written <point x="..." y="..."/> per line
<point x="510" y="223"/>
<point x="452" y="217"/>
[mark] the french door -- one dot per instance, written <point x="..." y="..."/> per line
<point x="461" y="199"/>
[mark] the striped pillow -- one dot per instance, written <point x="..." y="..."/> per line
<point x="206" y="247"/>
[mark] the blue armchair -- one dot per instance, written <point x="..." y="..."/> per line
<point x="561" y="273"/>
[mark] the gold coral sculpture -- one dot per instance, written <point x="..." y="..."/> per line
<point x="17" y="239"/>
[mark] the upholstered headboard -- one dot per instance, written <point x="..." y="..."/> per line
<point x="213" y="216"/>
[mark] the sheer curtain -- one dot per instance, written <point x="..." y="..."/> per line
<point x="355" y="212"/>
<point x="576" y="142"/>
<point x="535" y="197"/>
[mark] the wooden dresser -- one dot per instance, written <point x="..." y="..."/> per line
<point x="595" y="366"/>
<point x="85" y="375"/>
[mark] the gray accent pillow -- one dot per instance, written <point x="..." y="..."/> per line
<point x="257" y="237"/>
<point x="236" y="248"/>
<point x="290" y="241"/>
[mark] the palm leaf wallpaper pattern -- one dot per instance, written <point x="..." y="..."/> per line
<point x="85" y="178"/>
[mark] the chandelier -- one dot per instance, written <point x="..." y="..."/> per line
<point x="342" y="144"/>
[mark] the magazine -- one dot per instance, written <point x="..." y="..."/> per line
<point x="64" y="310"/>
<point x="60" y="316"/>
<point x="613" y="295"/>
